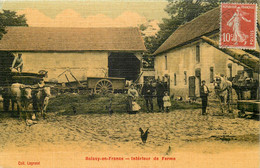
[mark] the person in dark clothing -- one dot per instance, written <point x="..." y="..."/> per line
<point x="204" y="92"/>
<point x="160" y="89"/>
<point x="6" y="99"/>
<point x="147" y="92"/>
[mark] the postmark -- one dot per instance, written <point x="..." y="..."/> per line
<point x="238" y="25"/>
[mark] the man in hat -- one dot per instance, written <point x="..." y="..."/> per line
<point x="204" y="92"/>
<point x="160" y="89"/>
<point x="147" y="92"/>
<point x="18" y="63"/>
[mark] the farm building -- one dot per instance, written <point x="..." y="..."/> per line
<point x="87" y="52"/>
<point x="185" y="59"/>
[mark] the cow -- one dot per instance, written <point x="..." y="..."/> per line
<point x="21" y="95"/>
<point x="41" y="99"/>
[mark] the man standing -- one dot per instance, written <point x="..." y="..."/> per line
<point x="204" y="92"/>
<point x="18" y="63"/>
<point x="147" y="92"/>
<point x="160" y="89"/>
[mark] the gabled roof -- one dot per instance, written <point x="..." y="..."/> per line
<point x="71" y="39"/>
<point x="203" y="24"/>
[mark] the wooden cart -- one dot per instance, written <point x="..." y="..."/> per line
<point x="101" y="85"/>
<point x="252" y="106"/>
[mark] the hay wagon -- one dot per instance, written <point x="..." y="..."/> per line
<point x="8" y="78"/>
<point x="248" y="98"/>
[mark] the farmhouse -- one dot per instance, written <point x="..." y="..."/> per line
<point x="87" y="52"/>
<point x="184" y="59"/>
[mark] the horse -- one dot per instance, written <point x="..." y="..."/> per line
<point x="223" y="90"/>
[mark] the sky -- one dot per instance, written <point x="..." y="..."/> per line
<point x="88" y="13"/>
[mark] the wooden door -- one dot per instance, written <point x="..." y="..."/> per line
<point x="192" y="86"/>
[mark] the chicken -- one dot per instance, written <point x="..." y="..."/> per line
<point x="169" y="151"/>
<point x="144" y="135"/>
<point x="74" y="109"/>
<point x="110" y="111"/>
<point x="109" y="108"/>
<point x="30" y="122"/>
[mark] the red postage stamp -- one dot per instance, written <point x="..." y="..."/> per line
<point x="238" y="26"/>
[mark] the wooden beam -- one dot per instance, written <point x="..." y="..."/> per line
<point x="75" y="78"/>
<point x="67" y="78"/>
<point x="139" y="76"/>
<point x="246" y="58"/>
<point x="26" y="77"/>
<point x="239" y="63"/>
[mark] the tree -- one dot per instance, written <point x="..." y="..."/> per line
<point x="10" y="18"/>
<point x="180" y="12"/>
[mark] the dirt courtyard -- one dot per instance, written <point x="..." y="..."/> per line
<point x="195" y="140"/>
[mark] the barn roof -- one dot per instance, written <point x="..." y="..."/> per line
<point x="202" y="25"/>
<point x="71" y="39"/>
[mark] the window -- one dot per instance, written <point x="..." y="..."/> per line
<point x="198" y="53"/>
<point x="230" y="70"/>
<point x="211" y="77"/>
<point x="185" y="78"/>
<point x="166" y="62"/>
<point x="175" y="79"/>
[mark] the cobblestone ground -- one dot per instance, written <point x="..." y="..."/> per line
<point x="196" y="141"/>
<point x="91" y="131"/>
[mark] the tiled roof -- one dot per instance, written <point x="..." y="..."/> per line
<point x="71" y="39"/>
<point x="203" y="24"/>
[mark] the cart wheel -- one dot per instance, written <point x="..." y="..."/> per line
<point x="104" y="86"/>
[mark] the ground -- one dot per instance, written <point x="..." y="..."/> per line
<point x="195" y="140"/>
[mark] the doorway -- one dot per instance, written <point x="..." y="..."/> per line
<point x="192" y="87"/>
<point x="197" y="82"/>
<point x="123" y="65"/>
<point x="6" y="59"/>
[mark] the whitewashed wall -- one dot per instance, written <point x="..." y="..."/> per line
<point x="82" y="64"/>
<point x="184" y="59"/>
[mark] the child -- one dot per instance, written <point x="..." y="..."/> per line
<point x="166" y="102"/>
<point x="135" y="107"/>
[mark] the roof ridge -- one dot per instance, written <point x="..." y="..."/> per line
<point x="198" y="17"/>
<point x="72" y="39"/>
<point x="73" y="27"/>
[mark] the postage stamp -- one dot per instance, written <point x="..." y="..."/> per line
<point x="238" y="25"/>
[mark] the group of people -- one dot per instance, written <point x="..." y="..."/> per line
<point x="149" y="92"/>
<point x="163" y="98"/>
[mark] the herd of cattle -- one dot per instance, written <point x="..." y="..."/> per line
<point x="24" y="95"/>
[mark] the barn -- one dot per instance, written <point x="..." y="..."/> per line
<point x="86" y="52"/>
<point x="185" y="59"/>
